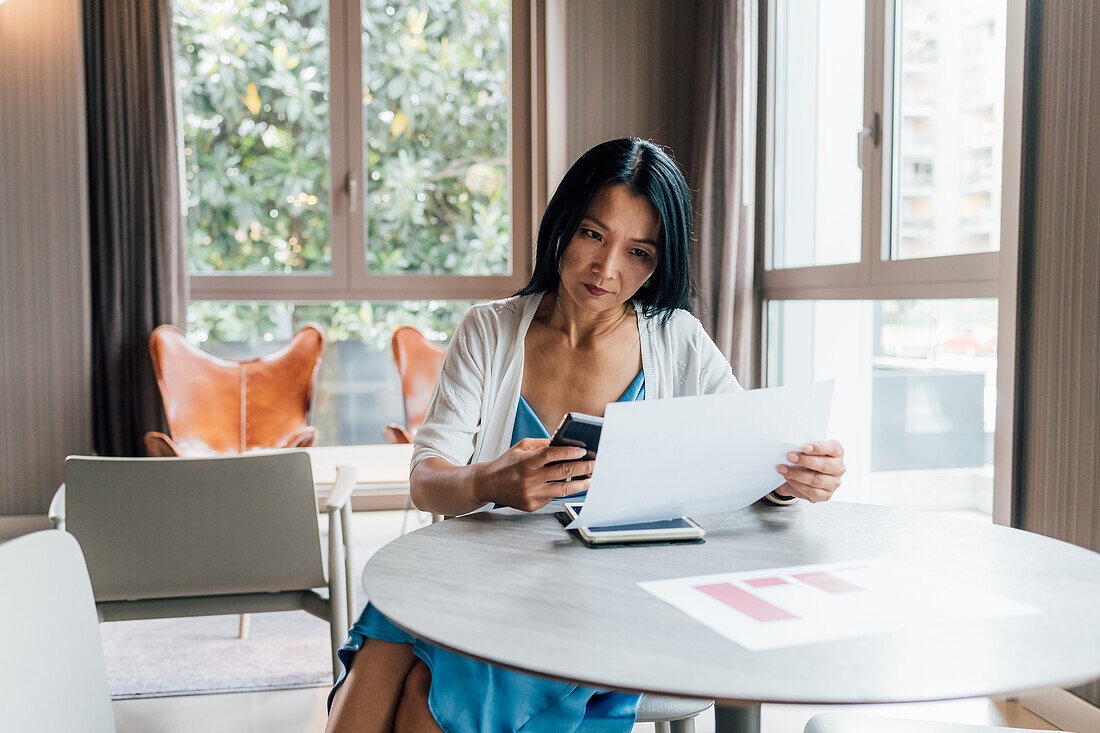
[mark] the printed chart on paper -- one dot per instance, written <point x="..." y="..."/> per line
<point x="781" y="607"/>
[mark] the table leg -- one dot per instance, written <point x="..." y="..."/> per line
<point x="743" y="718"/>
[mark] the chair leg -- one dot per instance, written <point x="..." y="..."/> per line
<point x="345" y="538"/>
<point x="244" y="623"/>
<point x="337" y="589"/>
<point x="405" y="514"/>
<point x="685" y="725"/>
<point x="661" y="726"/>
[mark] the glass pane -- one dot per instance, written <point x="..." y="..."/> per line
<point x="435" y="130"/>
<point x="358" y="390"/>
<point x="253" y="83"/>
<point x="817" y="186"/>
<point x="915" y="398"/>
<point x="949" y="112"/>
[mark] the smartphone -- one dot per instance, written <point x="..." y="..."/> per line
<point x="666" y="530"/>
<point x="580" y="431"/>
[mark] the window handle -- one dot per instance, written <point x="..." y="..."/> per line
<point x="874" y="132"/>
<point x="352" y="186"/>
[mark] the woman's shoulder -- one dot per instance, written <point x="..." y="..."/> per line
<point x="499" y="309"/>
<point x="680" y="325"/>
<point x="497" y="313"/>
<point x="494" y="320"/>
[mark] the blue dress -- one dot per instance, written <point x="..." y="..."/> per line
<point x="474" y="697"/>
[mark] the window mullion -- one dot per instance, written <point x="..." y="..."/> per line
<point x="355" y="255"/>
<point x="346" y="133"/>
<point x="765" y="196"/>
<point x="523" y="187"/>
<point x="339" y="224"/>
<point x="876" y="212"/>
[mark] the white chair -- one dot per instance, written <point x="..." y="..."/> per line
<point x="168" y="537"/>
<point x="852" y="723"/>
<point x="52" y="675"/>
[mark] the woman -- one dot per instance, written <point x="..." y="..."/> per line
<point x="604" y="318"/>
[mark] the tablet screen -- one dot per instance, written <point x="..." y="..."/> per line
<point x="677" y="523"/>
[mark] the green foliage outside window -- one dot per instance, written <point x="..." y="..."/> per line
<point x="253" y="82"/>
<point x="435" y="130"/>
<point x="254" y="324"/>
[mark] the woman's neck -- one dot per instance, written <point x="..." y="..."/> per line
<point x="581" y="327"/>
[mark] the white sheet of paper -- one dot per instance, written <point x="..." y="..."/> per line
<point x="660" y="459"/>
<point x="781" y="607"/>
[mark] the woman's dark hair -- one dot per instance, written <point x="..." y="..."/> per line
<point x="646" y="170"/>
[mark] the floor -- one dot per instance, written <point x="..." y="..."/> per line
<point x="303" y="710"/>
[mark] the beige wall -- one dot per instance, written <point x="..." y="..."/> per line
<point x="44" y="347"/>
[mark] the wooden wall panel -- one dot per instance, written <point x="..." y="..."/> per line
<point x="44" y="327"/>
<point x="629" y="71"/>
<point x="1057" y="489"/>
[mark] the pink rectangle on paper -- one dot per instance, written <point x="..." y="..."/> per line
<point x="828" y="582"/>
<point x="764" y="582"/>
<point x="745" y="602"/>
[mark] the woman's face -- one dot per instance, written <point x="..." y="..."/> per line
<point x="613" y="252"/>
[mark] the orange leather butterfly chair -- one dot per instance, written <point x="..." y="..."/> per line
<point x="419" y="362"/>
<point x="219" y="406"/>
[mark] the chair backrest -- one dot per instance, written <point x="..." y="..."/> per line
<point x="172" y="527"/>
<point x="52" y="675"/>
<point x="218" y="406"/>
<point x="419" y="362"/>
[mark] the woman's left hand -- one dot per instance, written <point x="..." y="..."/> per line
<point x="814" y="472"/>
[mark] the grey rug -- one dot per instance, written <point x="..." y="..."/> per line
<point x="182" y="656"/>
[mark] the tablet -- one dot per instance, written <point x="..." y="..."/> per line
<point x="666" y="530"/>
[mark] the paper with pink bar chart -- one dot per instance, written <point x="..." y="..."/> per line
<point x="780" y="607"/>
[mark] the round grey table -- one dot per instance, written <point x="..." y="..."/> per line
<point x="516" y="590"/>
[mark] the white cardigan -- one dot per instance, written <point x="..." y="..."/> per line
<point x="473" y="407"/>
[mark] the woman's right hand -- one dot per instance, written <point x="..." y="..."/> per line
<point x="523" y="479"/>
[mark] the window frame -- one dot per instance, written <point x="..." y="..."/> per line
<point x="876" y="276"/>
<point x="348" y="278"/>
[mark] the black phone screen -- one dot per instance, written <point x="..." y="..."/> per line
<point x="579" y="433"/>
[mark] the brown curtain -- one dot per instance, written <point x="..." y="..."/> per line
<point x="137" y="267"/>
<point x="1057" y="406"/>
<point x="723" y="256"/>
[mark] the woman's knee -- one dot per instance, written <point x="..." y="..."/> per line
<point x="370" y="695"/>
<point x="413" y="713"/>
<point x="419" y="680"/>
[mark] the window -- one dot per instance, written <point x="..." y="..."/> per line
<point x="818" y="92"/>
<point x="435" y="133"/>
<point x="915" y="394"/>
<point x="903" y="149"/>
<point x="254" y="91"/>
<point x="351" y="162"/>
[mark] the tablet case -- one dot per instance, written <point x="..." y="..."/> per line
<point x="565" y="520"/>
